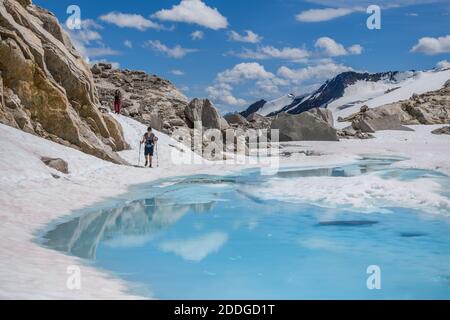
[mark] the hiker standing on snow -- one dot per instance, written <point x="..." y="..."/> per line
<point x="149" y="140"/>
<point x="117" y="101"/>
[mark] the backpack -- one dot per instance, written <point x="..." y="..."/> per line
<point x="149" y="139"/>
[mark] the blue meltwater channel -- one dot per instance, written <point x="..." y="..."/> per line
<point x="218" y="237"/>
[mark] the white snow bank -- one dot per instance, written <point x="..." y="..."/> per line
<point x="367" y="193"/>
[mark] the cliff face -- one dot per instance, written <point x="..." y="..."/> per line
<point x="46" y="88"/>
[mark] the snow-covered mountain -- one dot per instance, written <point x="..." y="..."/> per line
<point x="265" y="108"/>
<point x="348" y="91"/>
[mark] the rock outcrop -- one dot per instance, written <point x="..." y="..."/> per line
<point x="57" y="164"/>
<point x="429" y="108"/>
<point x="146" y="98"/>
<point x="46" y="86"/>
<point x="443" y="130"/>
<point x="304" y="126"/>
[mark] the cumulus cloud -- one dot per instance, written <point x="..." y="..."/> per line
<point x="318" y="15"/>
<point x="244" y="71"/>
<point x="432" y="46"/>
<point x="331" y="48"/>
<point x="126" y="20"/>
<point x="355" y="49"/>
<point x="176" y="52"/>
<point x="443" y="64"/>
<point x="222" y="93"/>
<point x="269" y="52"/>
<point x="248" y="37"/>
<point x="197" y="35"/>
<point x="194" y="12"/>
<point x="318" y="72"/>
<point x="196" y="249"/>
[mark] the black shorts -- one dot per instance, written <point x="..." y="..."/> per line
<point x="149" y="150"/>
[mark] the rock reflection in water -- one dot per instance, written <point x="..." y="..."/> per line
<point x="140" y="218"/>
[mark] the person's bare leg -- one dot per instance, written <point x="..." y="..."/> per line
<point x="150" y="160"/>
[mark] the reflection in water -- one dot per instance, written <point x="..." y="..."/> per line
<point x="136" y="221"/>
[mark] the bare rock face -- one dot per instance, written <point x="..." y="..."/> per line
<point x="203" y="110"/>
<point x="257" y="121"/>
<point x="304" y="126"/>
<point x="147" y="98"/>
<point x="47" y="88"/>
<point x="236" y="118"/>
<point x="325" y="114"/>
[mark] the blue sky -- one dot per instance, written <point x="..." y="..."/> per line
<point x="237" y="52"/>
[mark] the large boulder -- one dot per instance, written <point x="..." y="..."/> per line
<point x="236" y="118"/>
<point x="304" y="126"/>
<point x="52" y="83"/>
<point x="325" y="114"/>
<point x="203" y="110"/>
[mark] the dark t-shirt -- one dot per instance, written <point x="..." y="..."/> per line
<point x="149" y="139"/>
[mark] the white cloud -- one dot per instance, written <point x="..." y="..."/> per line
<point x="432" y="46"/>
<point x="318" y="72"/>
<point x="355" y="49"/>
<point x="126" y="20"/>
<point x="269" y="52"/>
<point x="331" y="48"/>
<point x="176" y="52"/>
<point x="197" y="35"/>
<point x="222" y="93"/>
<point x="196" y="12"/>
<point x="90" y="24"/>
<point x="99" y="52"/>
<point x="441" y="65"/>
<point x="177" y="72"/>
<point x="128" y="44"/>
<point x="87" y="36"/>
<point x="88" y="41"/>
<point x="196" y="249"/>
<point x="248" y="37"/>
<point x="318" y="15"/>
<point x="244" y="71"/>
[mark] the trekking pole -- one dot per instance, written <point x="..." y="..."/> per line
<point x="139" y="161"/>
<point x="157" y="155"/>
